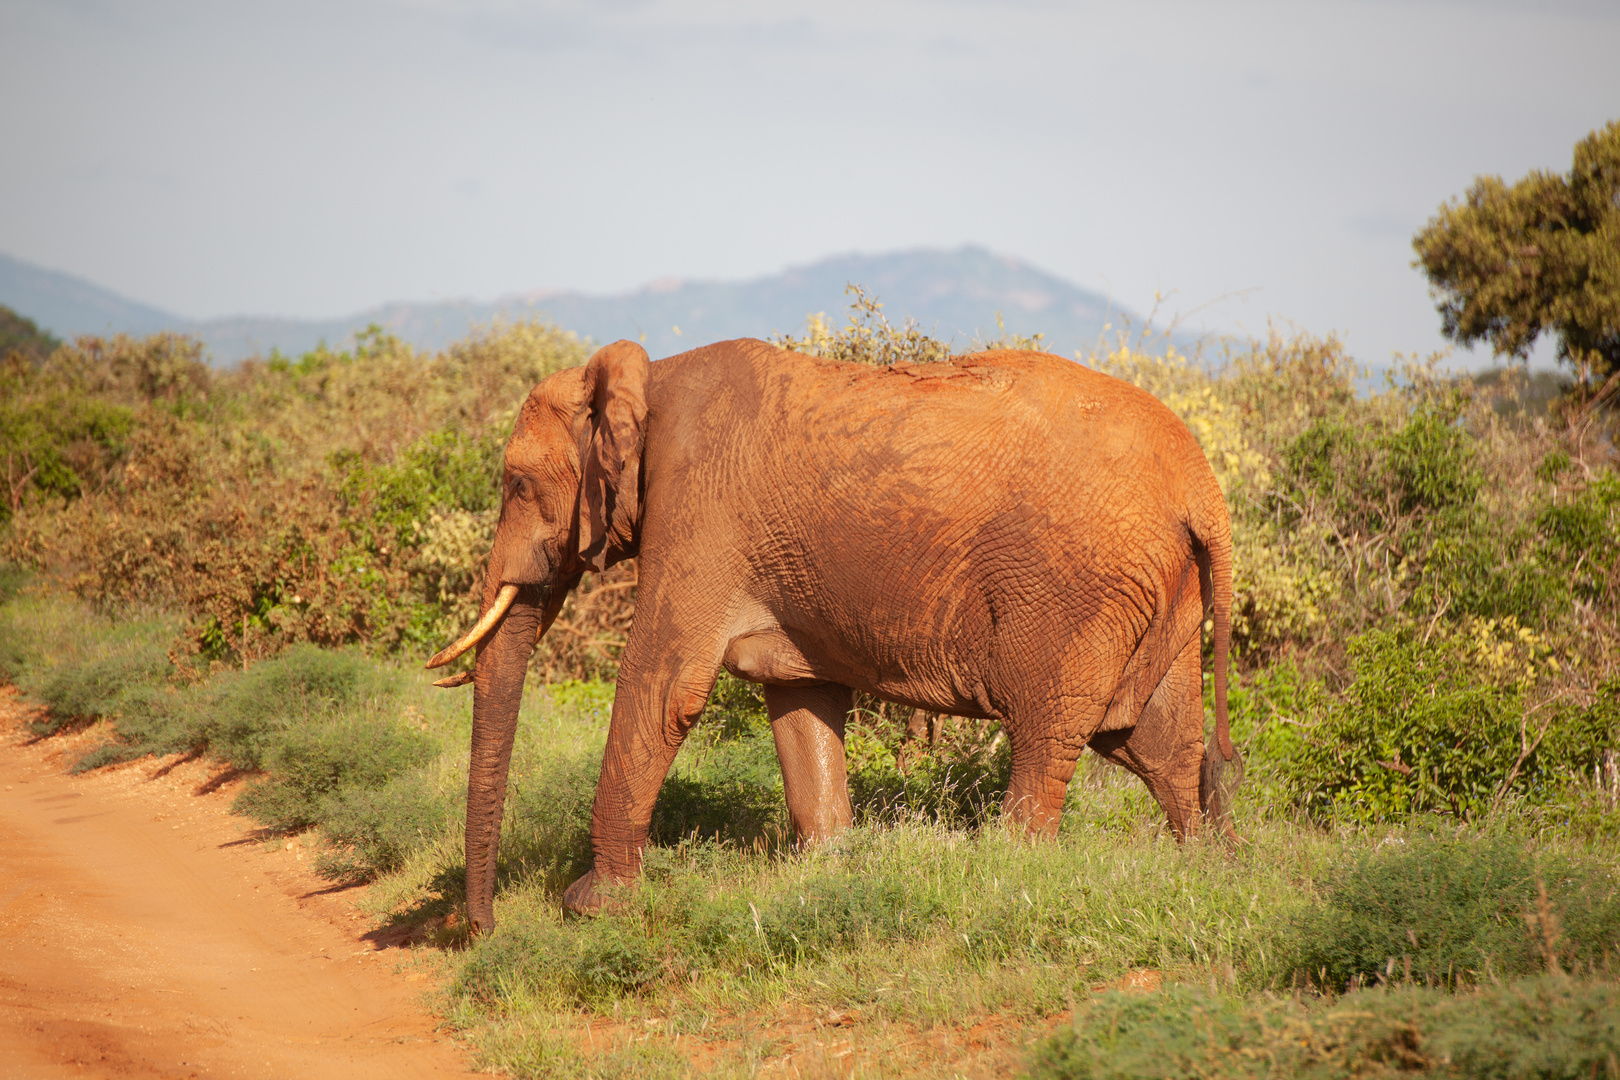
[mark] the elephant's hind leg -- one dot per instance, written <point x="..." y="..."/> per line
<point x="1166" y="746"/>
<point x="1045" y="749"/>
<point x="808" y="725"/>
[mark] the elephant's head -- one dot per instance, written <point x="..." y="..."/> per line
<point x="570" y="502"/>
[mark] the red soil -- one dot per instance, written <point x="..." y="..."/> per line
<point x="145" y="931"/>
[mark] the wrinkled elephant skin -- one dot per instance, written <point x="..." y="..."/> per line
<point x="1010" y="536"/>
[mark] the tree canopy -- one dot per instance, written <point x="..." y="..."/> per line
<point x="1510" y="262"/>
<point x="19" y="333"/>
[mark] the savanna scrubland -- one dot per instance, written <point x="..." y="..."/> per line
<point x="250" y="566"/>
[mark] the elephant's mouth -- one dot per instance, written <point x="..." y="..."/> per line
<point x="481" y="629"/>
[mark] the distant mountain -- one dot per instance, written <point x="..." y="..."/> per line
<point x="65" y="305"/>
<point x="951" y="294"/>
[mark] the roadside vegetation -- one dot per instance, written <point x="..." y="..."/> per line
<point x="250" y="566"/>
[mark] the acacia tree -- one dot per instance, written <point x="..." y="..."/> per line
<point x="1512" y="261"/>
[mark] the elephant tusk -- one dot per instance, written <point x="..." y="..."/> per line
<point x="497" y="610"/>
<point x="461" y="679"/>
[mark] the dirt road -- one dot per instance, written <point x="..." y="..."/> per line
<point x="143" y="932"/>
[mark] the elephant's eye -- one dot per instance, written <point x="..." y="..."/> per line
<point x="516" y="486"/>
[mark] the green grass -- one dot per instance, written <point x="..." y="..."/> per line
<point x="917" y="926"/>
<point x="1548" y="1026"/>
<point x="1451" y="910"/>
<point x="81" y="664"/>
<point x="918" y="929"/>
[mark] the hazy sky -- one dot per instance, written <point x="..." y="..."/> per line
<point x="1251" y="160"/>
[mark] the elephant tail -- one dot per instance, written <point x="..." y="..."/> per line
<point x="1222" y="772"/>
<point x="1212" y="547"/>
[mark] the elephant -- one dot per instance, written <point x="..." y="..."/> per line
<point x="1008" y="535"/>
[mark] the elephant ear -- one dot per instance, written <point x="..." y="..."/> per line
<point x="616" y="379"/>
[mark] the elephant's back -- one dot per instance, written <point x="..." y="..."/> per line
<point x="984" y="435"/>
<point x="1041" y="424"/>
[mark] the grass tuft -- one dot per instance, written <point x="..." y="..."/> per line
<point x="1450" y="911"/>
<point x="1540" y="1027"/>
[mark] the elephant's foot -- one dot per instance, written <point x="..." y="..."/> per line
<point x="596" y="893"/>
<point x="1034" y="804"/>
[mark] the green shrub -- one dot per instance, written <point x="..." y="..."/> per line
<point x="1585" y="809"/>
<point x="362" y="483"/>
<point x="1431" y="464"/>
<point x="614" y="959"/>
<point x="869" y="339"/>
<point x="99" y="687"/>
<point x="1486" y="568"/>
<point x="617" y="961"/>
<point x="441" y="471"/>
<point x="546" y="833"/>
<point x="1416" y="731"/>
<point x="583" y="699"/>
<point x="109" y="753"/>
<point x="13" y="579"/>
<point x="1269" y="709"/>
<point x="245" y="717"/>
<point x="727" y="783"/>
<point x="59" y="445"/>
<point x="79" y="665"/>
<point x="1429" y="726"/>
<point x="1372" y="481"/>
<point x="1581" y="538"/>
<point x="961" y="781"/>
<point x="846" y="912"/>
<point x="514" y="956"/>
<point x="342" y="755"/>
<point x="1449" y="912"/>
<point x="735" y="710"/>
<point x="1544" y="1027"/>
<point x="1566" y="553"/>
<point x="14" y="651"/>
<point x="595" y="962"/>
<point x="153" y="720"/>
<point x="730" y="791"/>
<point x="316" y="721"/>
<point x="21" y="336"/>
<point x="373" y="829"/>
<point x="1333" y="461"/>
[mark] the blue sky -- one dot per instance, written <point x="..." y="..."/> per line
<point x="1251" y="161"/>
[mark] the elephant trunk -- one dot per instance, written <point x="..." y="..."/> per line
<point x="503" y="660"/>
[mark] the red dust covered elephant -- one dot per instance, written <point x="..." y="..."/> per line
<point x="1009" y="535"/>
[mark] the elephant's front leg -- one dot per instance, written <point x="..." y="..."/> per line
<point x="808" y="725"/>
<point x="652" y="713"/>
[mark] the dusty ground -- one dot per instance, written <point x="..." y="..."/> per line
<point x="145" y="931"/>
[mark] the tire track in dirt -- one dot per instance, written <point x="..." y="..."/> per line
<point x="144" y="932"/>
